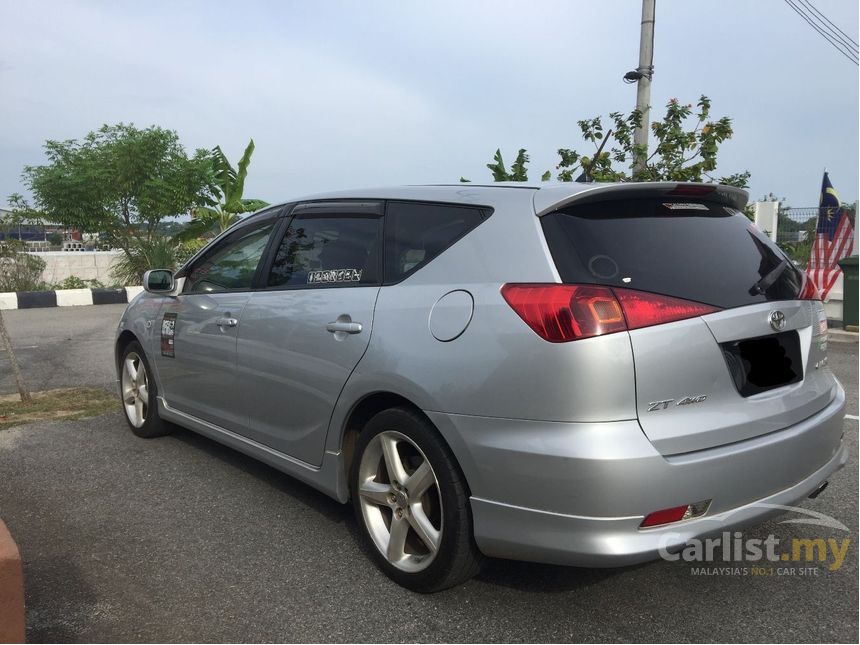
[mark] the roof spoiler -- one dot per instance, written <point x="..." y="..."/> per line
<point x="547" y="200"/>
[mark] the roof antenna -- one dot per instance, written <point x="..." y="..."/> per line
<point x="586" y="174"/>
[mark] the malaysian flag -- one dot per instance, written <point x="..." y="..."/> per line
<point x="834" y="239"/>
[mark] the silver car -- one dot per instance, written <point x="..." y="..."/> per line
<point x="568" y="373"/>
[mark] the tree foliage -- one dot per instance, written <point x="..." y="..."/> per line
<point x="19" y="270"/>
<point x="119" y="181"/>
<point x="142" y="255"/>
<point x="687" y="142"/>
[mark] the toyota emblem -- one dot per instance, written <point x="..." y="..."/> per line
<point x="777" y="320"/>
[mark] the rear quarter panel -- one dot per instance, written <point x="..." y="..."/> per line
<point x="498" y="367"/>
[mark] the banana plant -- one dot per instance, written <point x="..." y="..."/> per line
<point x="230" y="184"/>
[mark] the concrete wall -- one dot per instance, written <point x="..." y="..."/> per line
<point x="86" y="265"/>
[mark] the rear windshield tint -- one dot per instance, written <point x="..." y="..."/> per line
<point x="697" y="251"/>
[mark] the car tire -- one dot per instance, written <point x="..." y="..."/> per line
<point x="435" y="513"/>
<point x="139" y="394"/>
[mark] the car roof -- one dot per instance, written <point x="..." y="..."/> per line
<point x="460" y="193"/>
<point x="545" y="196"/>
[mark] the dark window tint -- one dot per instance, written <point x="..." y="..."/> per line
<point x="702" y="252"/>
<point x="416" y="233"/>
<point x="327" y="250"/>
<point x="232" y="263"/>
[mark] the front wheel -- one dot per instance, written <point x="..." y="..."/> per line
<point x="139" y="394"/>
<point x="412" y="504"/>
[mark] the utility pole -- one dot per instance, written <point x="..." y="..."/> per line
<point x="644" y="73"/>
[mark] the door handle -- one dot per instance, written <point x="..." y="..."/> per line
<point x="344" y="327"/>
<point x="226" y="322"/>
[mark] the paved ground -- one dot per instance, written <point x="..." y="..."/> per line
<point x="180" y="539"/>
<point x="62" y="347"/>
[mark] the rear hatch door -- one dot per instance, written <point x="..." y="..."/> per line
<point x="752" y="366"/>
<point x="729" y="376"/>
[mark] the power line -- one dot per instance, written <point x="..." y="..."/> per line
<point x="847" y="51"/>
<point x="850" y="54"/>
<point x="848" y="40"/>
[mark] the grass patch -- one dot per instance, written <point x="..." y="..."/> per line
<point x="54" y="405"/>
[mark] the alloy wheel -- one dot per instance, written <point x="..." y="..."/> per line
<point x="135" y="389"/>
<point x="400" y="501"/>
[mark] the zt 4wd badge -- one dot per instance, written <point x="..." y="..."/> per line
<point x="654" y="406"/>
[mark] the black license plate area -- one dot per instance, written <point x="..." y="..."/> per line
<point x="764" y="363"/>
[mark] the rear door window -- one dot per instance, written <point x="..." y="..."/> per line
<point x="415" y="233"/>
<point x="328" y="250"/>
<point x="696" y="251"/>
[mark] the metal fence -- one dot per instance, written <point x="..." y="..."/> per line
<point x="795" y="231"/>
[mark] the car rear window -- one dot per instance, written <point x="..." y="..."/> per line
<point x="682" y="248"/>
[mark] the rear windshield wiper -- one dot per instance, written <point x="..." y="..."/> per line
<point x="767" y="281"/>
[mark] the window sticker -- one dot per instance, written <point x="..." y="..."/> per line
<point x="332" y="276"/>
<point x="168" y="331"/>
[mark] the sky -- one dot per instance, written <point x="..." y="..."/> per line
<point x="340" y="95"/>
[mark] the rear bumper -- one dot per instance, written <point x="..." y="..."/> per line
<point x="575" y="494"/>
<point x="526" y="534"/>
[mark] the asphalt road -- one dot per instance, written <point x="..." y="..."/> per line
<point x="61" y="346"/>
<point x="180" y="539"/>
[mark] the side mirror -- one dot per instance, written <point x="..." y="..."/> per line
<point x="158" y="281"/>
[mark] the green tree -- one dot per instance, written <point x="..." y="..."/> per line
<point x="683" y="151"/>
<point x="19" y="270"/>
<point x="119" y="182"/>
<point x="230" y="185"/>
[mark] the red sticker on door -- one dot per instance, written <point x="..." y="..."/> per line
<point x="168" y="332"/>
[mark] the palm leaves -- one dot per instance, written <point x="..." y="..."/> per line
<point x="230" y="186"/>
<point x="518" y="172"/>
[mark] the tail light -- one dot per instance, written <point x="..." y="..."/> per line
<point x="560" y="313"/>
<point x="645" y="309"/>
<point x="691" y="190"/>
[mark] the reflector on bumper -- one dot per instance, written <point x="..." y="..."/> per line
<point x="675" y="514"/>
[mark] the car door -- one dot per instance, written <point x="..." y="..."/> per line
<point x="197" y="362"/>
<point x="306" y="328"/>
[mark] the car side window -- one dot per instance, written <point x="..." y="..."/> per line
<point x="328" y="250"/>
<point x="415" y="233"/>
<point x="231" y="265"/>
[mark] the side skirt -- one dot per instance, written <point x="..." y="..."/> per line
<point x="329" y="478"/>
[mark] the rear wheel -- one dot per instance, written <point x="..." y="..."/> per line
<point x="412" y="504"/>
<point x="139" y="394"/>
